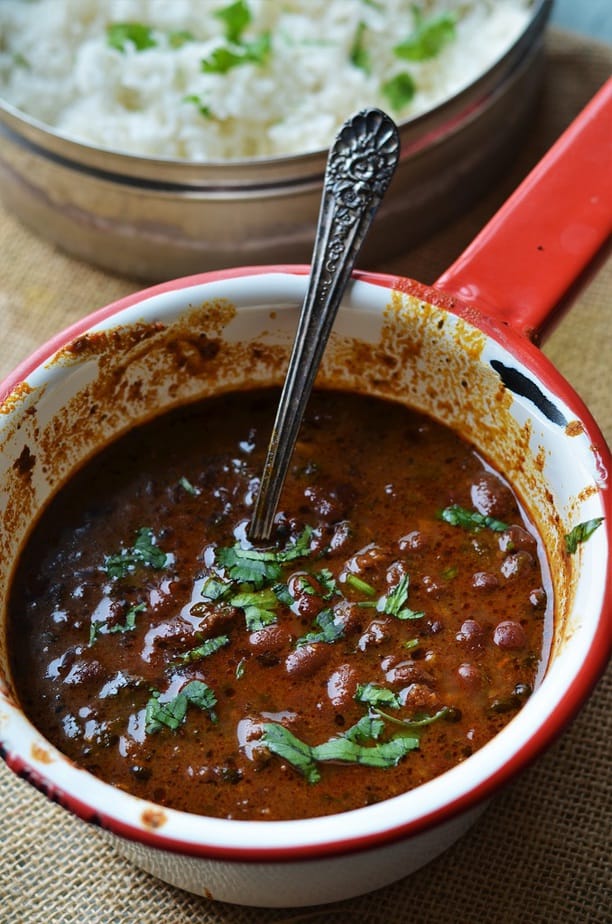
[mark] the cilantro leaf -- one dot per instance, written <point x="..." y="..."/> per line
<point x="214" y="589"/>
<point x="235" y="17"/>
<point x="446" y="712"/>
<point x="258" y="607"/>
<point x="368" y="728"/>
<point x="327" y="582"/>
<point x="359" y="55"/>
<point x="207" y="648"/>
<point x="470" y="519"/>
<point x="581" y="533"/>
<point x="374" y="695"/>
<point x="203" y="108"/>
<point x="123" y="35"/>
<point x="299" y="549"/>
<point x="399" y="90"/>
<point x="130" y="623"/>
<point x="280" y="741"/>
<point x="187" y="486"/>
<point x="330" y="630"/>
<point x="393" y="603"/>
<point x="180" y="37"/>
<point x="385" y="754"/>
<point x="358" y="584"/>
<point x="428" y="39"/>
<point x="249" y="566"/>
<point x="261" y="566"/>
<point x="226" y="57"/>
<point x="143" y="552"/>
<point x="171" y="713"/>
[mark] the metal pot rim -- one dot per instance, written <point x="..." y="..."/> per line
<point x="416" y="133"/>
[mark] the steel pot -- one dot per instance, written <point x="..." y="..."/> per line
<point x="158" y="219"/>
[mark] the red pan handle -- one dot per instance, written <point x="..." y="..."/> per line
<point x="526" y="258"/>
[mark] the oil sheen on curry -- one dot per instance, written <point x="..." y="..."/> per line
<point x="394" y="624"/>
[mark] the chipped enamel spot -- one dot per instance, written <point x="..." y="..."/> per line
<point x="153" y="818"/>
<point x="40" y="754"/>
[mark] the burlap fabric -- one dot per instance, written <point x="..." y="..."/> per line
<point x="541" y="853"/>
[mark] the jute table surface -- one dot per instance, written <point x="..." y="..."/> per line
<point x="541" y="852"/>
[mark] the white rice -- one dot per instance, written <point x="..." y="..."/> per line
<point x="57" y="66"/>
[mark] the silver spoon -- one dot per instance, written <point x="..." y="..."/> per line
<point x="360" y="165"/>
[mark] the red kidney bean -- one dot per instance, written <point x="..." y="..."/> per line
<point x="349" y="616"/>
<point x="516" y="538"/>
<point x="537" y="598"/>
<point x="509" y="635"/>
<point x="408" y="672"/>
<point x="84" y="672"/>
<point x="419" y="698"/>
<point x="342" y="685"/>
<point x="484" y="580"/>
<point x="376" y="632"/>
<point x="307" y="659"/>
<point x="369" y="557"/>
<point x="269" y="639"/>
<point x="472" y="633"/>
<point x="395" y="572"/>
<point x="469" y="676"/>
<point x="433" y="587"/>
<point x="491" y="497"/>
<point x="517" y="563"/>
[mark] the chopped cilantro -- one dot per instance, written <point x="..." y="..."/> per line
<point x="304" y="757"/>
<point x="327" y="582"/>
<point x="280" y="741"/>
<point x="203" y="108"/>
<point x="171" y="713"/>
<point x="399" y="90"/>
<point x="224" y="58"/>
<point x="359" y="55"/>
<point x="235" y="17"/>
<point x="186" y="485"/>
<point x="249" y="566"/>
<point x="368" y="728"/>
<point x="429" y="37"/>
<point x="330" y="630"/>
<point x="207" y="648"/>
<point x="581" y="533"/>
<point x="393" y="603"/>
<point x="123" y="35"/>
<point x="127" y="626"/>
<point x="282" y="594"/>
<point x="446" y="712"/>
<point x="261" y="566"/>
<point x="371" y="694"/>
<point x="385" y="754"/>
<point x="214" y="589"/>
<point x="258" y="607"/>
<point x="362" y="586"/>
<point x="143" y="552"/>
<point x="470" y="519"/>
<point x="180" y="37"/>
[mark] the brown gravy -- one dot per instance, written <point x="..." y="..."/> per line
<point x="397" y="623"/>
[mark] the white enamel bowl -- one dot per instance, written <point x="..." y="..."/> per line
<point x="143" y="355"/>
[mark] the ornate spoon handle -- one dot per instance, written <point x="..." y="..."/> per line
<point x="361" y="163"/>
